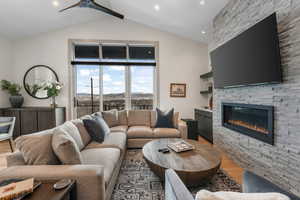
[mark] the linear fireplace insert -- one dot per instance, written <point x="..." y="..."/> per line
<point x="253" y="120"/>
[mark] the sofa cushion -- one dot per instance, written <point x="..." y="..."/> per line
<point x="85" y="137"/>
<point x="119" y="129"/>
<point x="122" y="117"/>
<point x="165" y="119"/>
<point x="113" y="140"/>
<point x="97" y="128"/>
<point x="72" y="130"/>
<point x="111" y="117"/>
<point x="176" y="119"/>
<point x="153" y="118"/>
<point x="139" y="118"/>
<point x="117" y="138"/>
<point x="166" y="133"/>
<point x="37" y="148"/>
<point x="139" y="132"/>
<point x="107" y="157"/>
<point x="65" y="148"/>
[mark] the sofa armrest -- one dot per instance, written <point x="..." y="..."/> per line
<point x="174" y="187"/>
<point x="90" y="182"/>
<point x="182" y="127"/>
<point x="15" y="159"/>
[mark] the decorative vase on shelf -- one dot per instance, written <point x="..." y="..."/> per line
<point x="16" y="101"/>
<point x="53" y="102"/>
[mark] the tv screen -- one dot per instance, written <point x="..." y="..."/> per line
<point x="251" y="58"/>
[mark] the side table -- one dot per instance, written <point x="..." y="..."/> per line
<point x="192" y="126"/>
<point x="46" y="192"/>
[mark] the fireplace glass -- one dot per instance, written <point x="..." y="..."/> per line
<point x="252" y="120"/>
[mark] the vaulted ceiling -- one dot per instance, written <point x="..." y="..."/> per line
<point x="188" y="18"/>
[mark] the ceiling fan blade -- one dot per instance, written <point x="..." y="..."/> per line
<point x="106" y="10"/>
<point x="73" y="6"/>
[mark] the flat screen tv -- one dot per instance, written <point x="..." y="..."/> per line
<point x="251" y="58"/>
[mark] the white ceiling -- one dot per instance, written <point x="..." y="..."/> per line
<point x="187" y="18"/>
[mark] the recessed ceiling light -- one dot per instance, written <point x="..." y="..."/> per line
<point x="55" y="3"/>
<point x="202" y="2"/>
<point x="203" y="32"/>
<point x="156" y="7"/>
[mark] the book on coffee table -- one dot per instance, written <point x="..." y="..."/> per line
<point x="16" y="189"/>
<point x="181" y="146"/>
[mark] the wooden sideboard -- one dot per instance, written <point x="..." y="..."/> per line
<point x="204" y="118"/>
<point x="34" y="119"/>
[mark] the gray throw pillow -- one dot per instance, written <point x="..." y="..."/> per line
<point x="97" y="128"/>
<point x="165" y="119"/>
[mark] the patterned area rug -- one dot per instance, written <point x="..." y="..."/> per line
<point x="138" y="182"/>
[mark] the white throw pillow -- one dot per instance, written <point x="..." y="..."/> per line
<point x="72" y="130"/>
<point x="207" y="195"/>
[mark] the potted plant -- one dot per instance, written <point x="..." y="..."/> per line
<point x="53" y="89"/>
<point x="16" y="99"/>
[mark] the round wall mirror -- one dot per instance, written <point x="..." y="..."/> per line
<point x="36" y="80"/>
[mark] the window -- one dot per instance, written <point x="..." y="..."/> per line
<point x="114" y="87"/>
<point x="141" y="53"/>
<point x="87" y="89"/>
<point x="121" y="77"/>
<point x="142" y="87"/>
<point x="86" y="52"/>
<point x="114" y="52"/>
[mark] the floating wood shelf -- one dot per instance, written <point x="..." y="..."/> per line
<point x="207" y="75"/>
<point x="205" y="92"/>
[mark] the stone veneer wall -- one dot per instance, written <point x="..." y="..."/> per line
<point x="279" y="163"/>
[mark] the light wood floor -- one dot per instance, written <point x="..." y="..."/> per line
<point x="229" y="166"/>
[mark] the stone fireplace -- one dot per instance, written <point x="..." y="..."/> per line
<point x="279" y="163"/>
<point x="252" y="120"/>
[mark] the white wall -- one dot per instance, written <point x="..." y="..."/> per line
<point x="5" y="67"/>
<point x="181" y="60"/>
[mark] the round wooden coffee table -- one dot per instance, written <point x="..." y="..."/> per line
<point x="194" y="167"/>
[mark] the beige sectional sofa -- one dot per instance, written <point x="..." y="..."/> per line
<point x="101" y="162"/>
<point x="139" y="125"/>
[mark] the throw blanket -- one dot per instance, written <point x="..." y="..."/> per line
<point x="206" y="195"/>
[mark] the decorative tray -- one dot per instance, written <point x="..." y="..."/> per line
<point x="181" y="146"/>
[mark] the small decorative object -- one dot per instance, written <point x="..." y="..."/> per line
<point x="53" y="89"/>
<point x="16" y="99"/>
<point x="62" y="184"/>
<point x="211" y="103"/>
<point x="178" y="90"/>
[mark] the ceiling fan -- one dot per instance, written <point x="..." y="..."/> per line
<point x="94" y="5"/>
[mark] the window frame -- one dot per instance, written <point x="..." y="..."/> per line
<point x="72" y="71"/>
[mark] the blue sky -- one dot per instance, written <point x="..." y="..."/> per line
<point x="114" y="79"/>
